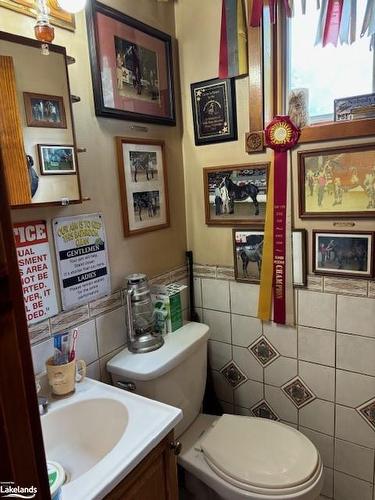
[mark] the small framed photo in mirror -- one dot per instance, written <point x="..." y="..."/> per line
<point x="57" y="160"/>
<point x="43" y="110"/>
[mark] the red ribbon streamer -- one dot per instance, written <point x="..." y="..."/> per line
<point x="279" y="237"/>
<point x="332" y="24"/>
<point x="256" y="13"/>
<point x="223" y="60"/>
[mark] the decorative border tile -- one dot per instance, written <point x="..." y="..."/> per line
<point x="367" y="412"/>
<point x="66" y="320"/>
<point x="315" y="283"/>
<point x="263" y="410"/>
<point x="204" y="271"/>
<point x="233" y="374"/>
<point x="162" y="279"/>
<point x="263" y="351"/>
<point x="298" y="392"/>
<point x="179" y="274"/>
<point x="345" y="286"/>
<point x="371" y="289"/>
<point x="225" y="273"/>
<point x="106" y="304"/>
<point x="39" y="331"/>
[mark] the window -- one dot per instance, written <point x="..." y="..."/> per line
<point x="330" y="72"/>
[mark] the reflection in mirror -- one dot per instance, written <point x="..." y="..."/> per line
<point x="36" y="124"/>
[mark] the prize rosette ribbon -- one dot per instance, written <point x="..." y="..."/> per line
<point x="281" y="135"/>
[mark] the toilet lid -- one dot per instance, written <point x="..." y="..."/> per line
<point x="256" y="452"/>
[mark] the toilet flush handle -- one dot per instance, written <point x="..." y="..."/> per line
<point x="127" y="386"/>
<point x="176" y="446"/>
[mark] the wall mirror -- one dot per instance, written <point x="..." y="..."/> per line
<point x="37" y="136"/>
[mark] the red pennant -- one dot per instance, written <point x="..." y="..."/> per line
<point x="223" y="60"/>
<point x="333" y="20"/>
<point x="256" y="13"/>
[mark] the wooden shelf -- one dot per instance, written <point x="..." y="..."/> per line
<point x="330" y="131"/>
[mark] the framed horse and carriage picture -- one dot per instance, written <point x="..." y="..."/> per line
<point x="248" y="255"/>
<point x="143" y="185"/>
<point x="236" y="195"/>
<point x="337" y="183"/>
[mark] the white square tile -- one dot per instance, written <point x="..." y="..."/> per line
<point x="247" y="363"/>
<point x="87" y="348"/>
<point x="40" y="353"/>
<point x="351" y="488"/>
<point x="320" y="379"/>
<point x="280" y="371"/>
<point x="245" y="330"/>
<point x="223" y="390"/>
<point x="316" y="345"/>
<point x="352" y="427"/>
<point x="283" y="338"/>
<point x="317" y="309"/>
<point x="248" y="394"/>
<point x="319" y="416"/>
<point x="219" y="323"/>
<point x="355" y="460"/>
<point x="323" y="443"/>
<point x="219" y="354"/>
<point x="244" y="298"/>
<point x="93" y="370"/>
<point x="215" y="294"/>
<point x="327" y="489"/>
<point x="353" y="389"/>
<point x="111" y="331"/>
<point x="356" y="315"/>
<point x="282" y="406"/>
<point x="198" y="292"/>
<point x="356" y="353"/>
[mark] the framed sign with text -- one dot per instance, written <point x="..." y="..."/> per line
<point x="214" y="111"/>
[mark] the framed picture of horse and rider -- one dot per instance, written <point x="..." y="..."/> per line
<point x="143" y="185"/>
<point x="236" y="195"/>
<point x="337" y="183"/>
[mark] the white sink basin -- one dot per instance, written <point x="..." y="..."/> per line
<point x="100" y="434"/>
<point x="88" y="438"/>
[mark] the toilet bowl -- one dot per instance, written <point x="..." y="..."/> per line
<point x="231" y="457"/>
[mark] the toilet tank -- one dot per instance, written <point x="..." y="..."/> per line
<point x="175" y="374"/>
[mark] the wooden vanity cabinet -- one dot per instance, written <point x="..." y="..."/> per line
<point x="155" y="478"/>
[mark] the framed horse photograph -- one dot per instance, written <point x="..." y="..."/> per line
<point x="248" y="255"/>
<point x="343" y="254"/>
<point x="236" y="195"/>
<point x="143" y="185"/>
<point x="337" y="182"/>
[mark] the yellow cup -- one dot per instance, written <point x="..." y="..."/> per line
<point x="63" y="378"/>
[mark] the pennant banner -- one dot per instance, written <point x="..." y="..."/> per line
<point x="233" y="60"/>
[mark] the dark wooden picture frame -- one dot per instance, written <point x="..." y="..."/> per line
<point x="247" y="258"/>
<point x="31" y="121"/>
<point x="217" y="121"/>
<point x="45" y="171"/>
<point x="339" y="180"/>
<point x="215" y="174"/>
<point x="166" y="97"/>
<point x="341" y="258"/>
<point x="147" y="198"/>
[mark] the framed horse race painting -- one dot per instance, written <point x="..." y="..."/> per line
<point x="143" y="185"/>
<point x="236" y="195"/>
<point x="337" y="183"/>
<point x="343" y="253"/>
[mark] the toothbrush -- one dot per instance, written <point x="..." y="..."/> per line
<point x="72" y="353"/>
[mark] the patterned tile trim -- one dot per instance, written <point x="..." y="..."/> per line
<point x="264" y="410"/>
<point x="225" y="273"/>
<point x="163" y="279"/>
<point x="315" y="283"/>
<point x="39" y="331"/>
<point x="371" y="289"/>
<point x="202" y="271"/>
<point x="345" y="286"/>
<point x="69" y="319"/>
<point x="233" y="374"/>
<point x="298" y="392"/>
<point x="367" y="412"/>
<point x="179" y="274"/>
<point x="263" y="351"/>
<point x="106" y="304"/>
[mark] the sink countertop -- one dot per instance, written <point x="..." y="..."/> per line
<point x="148" y="423"/>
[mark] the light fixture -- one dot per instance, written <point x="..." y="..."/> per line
<point x="72" y="6"/>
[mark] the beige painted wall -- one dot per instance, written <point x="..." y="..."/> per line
<point x="198" y="31"/>
<point x="152" y="253"/>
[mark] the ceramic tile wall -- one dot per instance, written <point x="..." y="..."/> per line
<point x="318" y="377"/>
<point x="101" y="327"/>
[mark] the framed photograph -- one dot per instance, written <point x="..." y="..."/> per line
<point x="248" y="254"/>
<point x="57" y="160"/>
<point x="143" y="185"/>
<point x="358" y="107"/>
<point x="343" y="254"/>
<point x="57" y="16"/>
<point x="236" y="195"/>
<point x="44" y="110"/>
<point x="131" y="65"/>
<point x="337" y="183"/>
<point x="214" y="111"/>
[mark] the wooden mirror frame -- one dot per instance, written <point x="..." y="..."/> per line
<point x="275" y="72"/>
<point x="7" y="141"/>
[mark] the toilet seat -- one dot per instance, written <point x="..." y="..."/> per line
<point x="256" y="454"/>
<point x="198" y="464"/>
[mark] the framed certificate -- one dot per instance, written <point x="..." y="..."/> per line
<point x="214" y="111"/>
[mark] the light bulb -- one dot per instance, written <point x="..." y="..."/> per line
<point x="72" y="6"/>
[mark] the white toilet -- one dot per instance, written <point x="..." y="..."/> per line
<point x="230" y="457"/>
